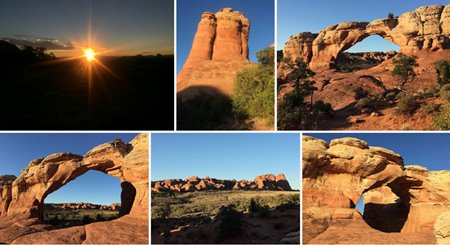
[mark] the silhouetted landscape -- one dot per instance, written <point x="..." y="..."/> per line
<point x="39" y="91"/>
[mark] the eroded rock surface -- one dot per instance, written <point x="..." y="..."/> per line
<point x="219" y="51"/>
<point x="22" y="199"/>
<point x="408" y="202"/>
<point x="194" y="183"/>
<point x="424" y="29"/>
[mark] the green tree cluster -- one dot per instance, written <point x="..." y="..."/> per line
<point x="253" y="95"/>
<point x="298" y="110"/>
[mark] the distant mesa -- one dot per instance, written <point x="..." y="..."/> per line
<point x="426" y="29"/>
<point x="22" y="198"/>
<point x="402" y="204"/>
<point x="194" y="183"/>
<point x="219" y="51"/>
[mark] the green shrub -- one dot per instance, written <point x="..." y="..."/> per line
<point x="430" y="108"/>
<point x="404" y="68"/>
<point x="360" y="93"/>
<point x="230" y="223"/>
<point x="443" y="70"/>
<point x="390" y="15"/>
<point x="444" y="92"/>
<point x="391" y="96"/>
<point x="407" y="104"/>
<point x="87" y="219"/>
<point x="441" y="120"/>
<point x="161" y="211"/>
<point x="254" y="92"/>
<point x="263" y="212"/>
<point x="266" y="56"/>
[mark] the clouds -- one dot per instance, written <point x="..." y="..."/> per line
<point x="45" y="42"/>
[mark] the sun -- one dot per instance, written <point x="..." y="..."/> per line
<point x="89" y="54"/>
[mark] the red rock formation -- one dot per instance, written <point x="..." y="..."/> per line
<point x="219" y="51"/>
<point x="22" y="204"/>
<point x="424" y="29"/>
<point x="264" y="182"/>
<point x="407" y="200"/>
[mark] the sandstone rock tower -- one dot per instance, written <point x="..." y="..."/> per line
<point x="219" y="50"/>
<point x="426" y="29"/>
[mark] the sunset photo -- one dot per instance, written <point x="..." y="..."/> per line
<point x="83" y="65"/>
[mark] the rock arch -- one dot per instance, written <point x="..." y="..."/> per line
<point x="397" y="198"/>
<point x="424" y="29"/>
<point x="22" y="198"/>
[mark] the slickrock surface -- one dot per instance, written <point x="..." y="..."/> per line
<point x="21" y="203"/>
<point x="194" y="183"/>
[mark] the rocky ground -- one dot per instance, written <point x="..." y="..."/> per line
<point x="198" y="217"/>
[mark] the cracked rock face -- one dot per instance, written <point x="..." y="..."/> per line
<point x="424" y="29"/>
<point x="22" y="198"/>
<point x="219" y="51"/>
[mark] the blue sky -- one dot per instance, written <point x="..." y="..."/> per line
<point x="425" y="149"/>
<point x="131" y="27"/>
<point x="296" y="16"/>
<point x="226" y="156"/>
<point x="17" y="150"/>
<point x="259" y="12"/>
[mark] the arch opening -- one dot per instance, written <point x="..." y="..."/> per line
<point x="93" y="196"/>
<point x="369" y="52"/>
<point x="383" y="210"/>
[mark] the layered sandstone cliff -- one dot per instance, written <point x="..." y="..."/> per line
<point x="194" y="183"/>
<point x="219" y="51"/>
<point x="22" y="198"/>
<point x="425" y="29"/>
<point x="406" y="201"/>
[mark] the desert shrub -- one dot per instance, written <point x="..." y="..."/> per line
<point x="86" y="219"/>
<point x="161" y="211"/>
<point x="444" y="92"/>
<point x="117" y="139"/>
<point x="263" y="212"/>
<point x="367" y="103"/>
<point x="404" y="69"/>
<point x="443" y="70"/>
<point x="441" y="120"/>
<point x="405" y="127"/>
<point x="407" y="104"/>
<point x="230" y="223"/>
<point x="430" y="108"/>
<point x="253" y="207"/>
<point x="426" y="93"/>
<point x="254" y="92"/>
<point x="203" y="111"/>
<point x="99" y="217"/>
<point x="390" y="15"/>
<point x="391" y="96"/>
<point x="360" y="93"/>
